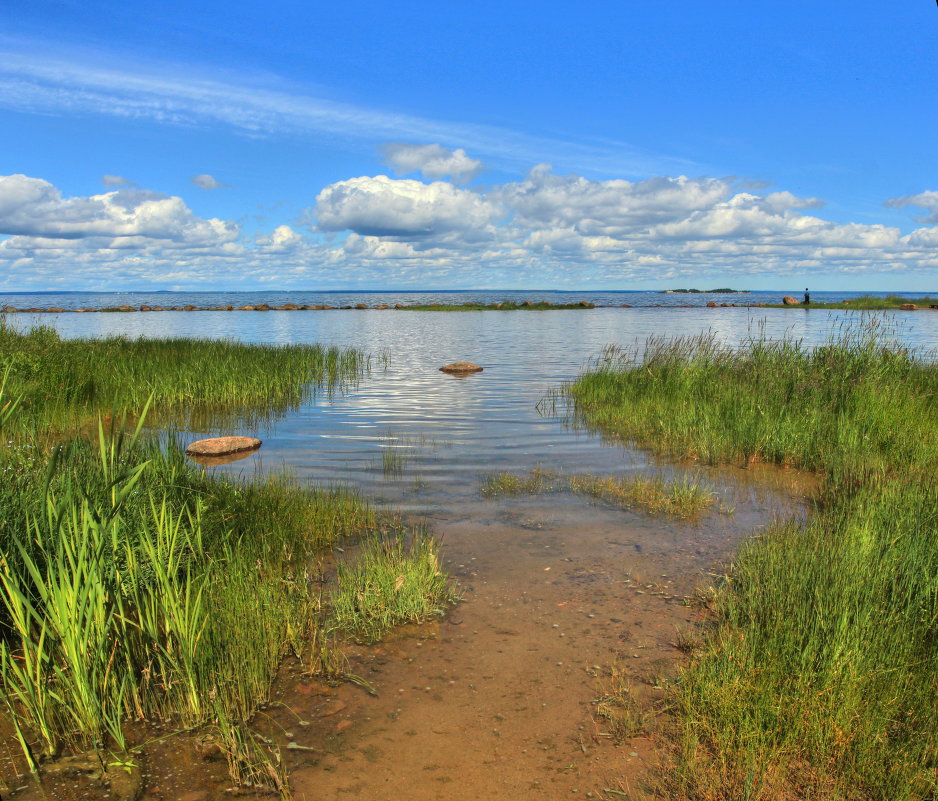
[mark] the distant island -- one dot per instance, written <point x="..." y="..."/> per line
<point x="721" y="291"/>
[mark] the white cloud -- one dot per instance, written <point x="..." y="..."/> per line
<point x="382" y="206"/>
<point x="546" y="230"/>
<point x="927" y="200"/>
<point x="206" y="181"/>
<point x="432" y="161"/>
<point x="34" y="207"/>
<point x="115" y="181"/>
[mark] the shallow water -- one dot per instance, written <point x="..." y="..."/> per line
<point x="443" y="431"/>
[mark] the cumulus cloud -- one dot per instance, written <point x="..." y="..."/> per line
<point x="545" y="230"/>
<point x="115" y="181"/>
<point x="206" y="181"/>
<point x="382" y="206"/>
<point x="927" y="200"/>
<point x="431" y="161"/>
<point x="34" y="207"/>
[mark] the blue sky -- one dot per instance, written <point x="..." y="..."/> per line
<point x="625" y="145"/>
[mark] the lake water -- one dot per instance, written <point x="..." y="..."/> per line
<point x="418" y="437"/>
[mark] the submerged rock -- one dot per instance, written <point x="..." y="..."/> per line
<point x="788" y="300"/>
<point x="222" y="446"/>
<point x="461" y="368"/>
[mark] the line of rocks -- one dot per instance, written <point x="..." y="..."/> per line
<point x="257" y="307"/>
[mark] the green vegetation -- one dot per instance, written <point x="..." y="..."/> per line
<point x="818" y="675"/>
<point x="390" y="582"/>
<point x="680" y="498"/>
<point x="506" y="305"/>
<point x="133" y="586"/>
<point x="62" y="383"/>
<point x="137" y="589"/>
<point x="866" y="303"/>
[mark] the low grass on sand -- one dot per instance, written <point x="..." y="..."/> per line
<point x="819" y="676"/>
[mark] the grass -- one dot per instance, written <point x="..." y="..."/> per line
<point x="866" y="303"/>
<point x="390" y="582"/>
<point x="63" y="383"/>
<point x="135" y="588"/>
<point x="679" y="498"/>
<point x="506" y="305"/>
<point x="817" y="678"/>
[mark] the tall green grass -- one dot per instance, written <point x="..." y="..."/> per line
<point x="135" y="587"/>
<point x="819" y="677"/>
<point x="62" y="383"/>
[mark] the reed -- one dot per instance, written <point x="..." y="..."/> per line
<point x="817" y="675"/>
<point x="63" y="383"/>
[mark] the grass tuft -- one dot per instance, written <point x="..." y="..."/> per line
<point x="390" y="582"/>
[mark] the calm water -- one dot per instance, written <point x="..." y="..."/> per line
<point x="448" y="431"/>
<point x="77" y="300"/>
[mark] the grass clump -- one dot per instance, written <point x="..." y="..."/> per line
<point x="134" y="587"/>
<point x="61" y="383"/>
<point x="534" y="483"/>
<point x="678" y="498"/>
<point x="390" y="582"/>
<point x="817" y="678"/>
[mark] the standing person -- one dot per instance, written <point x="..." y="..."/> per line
<point x="807" y="297"/>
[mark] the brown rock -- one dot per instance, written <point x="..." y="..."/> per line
<point x="190" y="307"/>
<point x="788" y="300"/>
<point x="145" y="308"/>
<point x="126" y="308"/>
<point x="9" y="309"/>
<point x="908" y="307"/>
<point x="625" y="306"/>
<point x="712" y="304"/>
<point x="361" y="305"/>
<point x="262" y="307"/>
<point x="587" y="305"/>
<point x="222" y="446"/>
<point x="399" y="306"/>
<point x="383" y="306"/>
<point x="55" y="310"/>
<point x="461" y="368"/>
<point x="245" y="308"/>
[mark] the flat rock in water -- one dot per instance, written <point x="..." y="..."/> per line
<point x="461" y="368"/>
<point x="222" y="446"/>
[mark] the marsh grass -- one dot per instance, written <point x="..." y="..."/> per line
<point x="64" y="383"/>
<point x="678" y="498"/>
<point x="134" y="587"/>
<point x="392" y="580"/>
<point x="817" y="676"/>
<point x="617" y="706"/>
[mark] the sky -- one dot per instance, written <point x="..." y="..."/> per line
<point x="203" y="145"/>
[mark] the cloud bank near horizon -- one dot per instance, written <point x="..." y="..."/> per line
<point x="546" y="230"/>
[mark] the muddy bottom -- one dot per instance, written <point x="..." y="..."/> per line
<point x="498" y="699"/>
